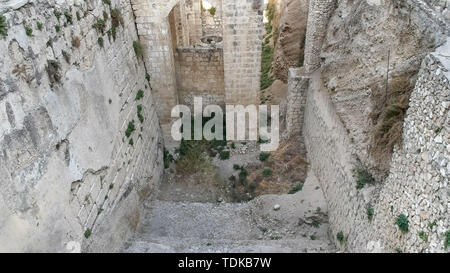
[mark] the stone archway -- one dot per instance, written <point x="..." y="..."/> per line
<point x="242" y="38"/>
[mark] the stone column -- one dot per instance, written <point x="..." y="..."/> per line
<point x="242" y="31"/>
<point x="318" y="17"/>
<point x="298" y="85"/>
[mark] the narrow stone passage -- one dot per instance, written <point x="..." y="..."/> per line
<point x="271" y="223"/>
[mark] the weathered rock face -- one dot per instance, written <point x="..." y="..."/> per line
<point x="70" y="177"/>
<point x="290" y="45"/>
<point x="360" y="36"/>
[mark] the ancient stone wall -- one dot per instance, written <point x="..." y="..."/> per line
<point x="200" y="73"/>
<point x="70" y="176"/>
<point x="417" y="185"/>
<point x="242" y="34"/>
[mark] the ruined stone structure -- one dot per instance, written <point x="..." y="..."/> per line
<point x="417" y="185"/>
<point x="242" y="25"/>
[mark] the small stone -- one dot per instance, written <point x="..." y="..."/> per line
<point x="277" y="207"/>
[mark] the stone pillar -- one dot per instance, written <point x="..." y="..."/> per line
<point x="318" y="17"/>
<point x="242" y="33"/>
<point x="298" y="85"/>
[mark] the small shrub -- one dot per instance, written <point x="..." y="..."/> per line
<point x="3" y="26"/>
<point x="140" y="94"/>
<point x="58" y="28"/>
<point x="370" y="213"/>
<point x="105" y="16"/>
<point x="116" y="18"/>
<point x="447" y="239"/>
<point x="57" y="14"/>
<point x="147" y="77"/>
<point x="267" y="172"/>
<point x="403" y="223"/>
<point x="87" y="233"/>
<point x="263" y="157"/>
<point x="138" y="49"/>
<point x="212" y="11"/>
<point x="131" y="128"/>
<point x="168" y="158"/>
<point x="100" y="26"/>
<point x="39" y="26"/>
<point x="100" y="41"/>
<point x="28" y="30"/>
<point x="313" y="237"/>
<point x="139" y="113"/>
<point x="296" y="188"/>
<point x="243" y="174"/>
<point x="68" y="16"/>
<point x="76" y="41"/>
<point x="340" y="237"/>
<point x="224" y="155"/>
<point x="423" y="236"/>
<point x="363" y="177"/>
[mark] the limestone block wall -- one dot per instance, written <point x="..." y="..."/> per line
<point x="200" y="73"/>
<point x="70" y="178"/>
<point x="417" y="185"/>
<point x="318" y="17"/>
<point x="298" y="84"/>
<point x="242" y="31"/>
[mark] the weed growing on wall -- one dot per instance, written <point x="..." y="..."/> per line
<point x="3" y="26"/>
<point x="140" y="94"/>
<point x="403" y="223"/>
<point x="296" y="188"/>
<point x="363" y="177"/>
<point x="263" y="157"/>
<point x="138" y="49"/>
<point x="370" y="212"/>
<point x="131" y="128"/>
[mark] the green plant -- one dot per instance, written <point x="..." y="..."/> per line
<point x="447" y="239"/>
<point x="58" y="28"/>
<point x="131" y="142"/>
<point x="398" y="250"/>
<point x="147" y="77"/>
<point x="116" y="18"/>
<point x="138" y="49"/>
<point x="39" y="26"/>
<point x="263" y="157"/>
<point x="107" y="2"/>
<point x="313" y="237"/>
<point x="111" y="186"/>
<point x="370" y="213"/>
<point x="28" y="30"/>
<point x="130" y="129"/>
<point x="340" y="237"/>
<point x="140" y="94"/>
<point x="403" y="223"/>
<point x="212" y="11"/>
<point x="296" y="188"/>
<point x="363" y="177"/>
<point x="316" y="223"/>
<point x="423" y="236"/>
<point x="100" y="41"/>
<point x="78" y="15"/>
<point x="224" y="155"/>
<point x="100" y="26"/>
<point x="431" y="225"/>
<point x="68" y="16"/>
<point x="3" y="26"/>
<point x="57" y="14"/>
<point x="139" y="113"/>
<point x="267" y="172"/>
<point x="105" y="16"/>
<point x="87" y="233"/>
<point x="168" y="158"/>
<point x="266" y="66"/>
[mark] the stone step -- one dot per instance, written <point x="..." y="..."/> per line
<point x="195" y="245"/>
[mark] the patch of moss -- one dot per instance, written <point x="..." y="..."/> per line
<point x="130" y="129"/>
<point x="3" y="26"/>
